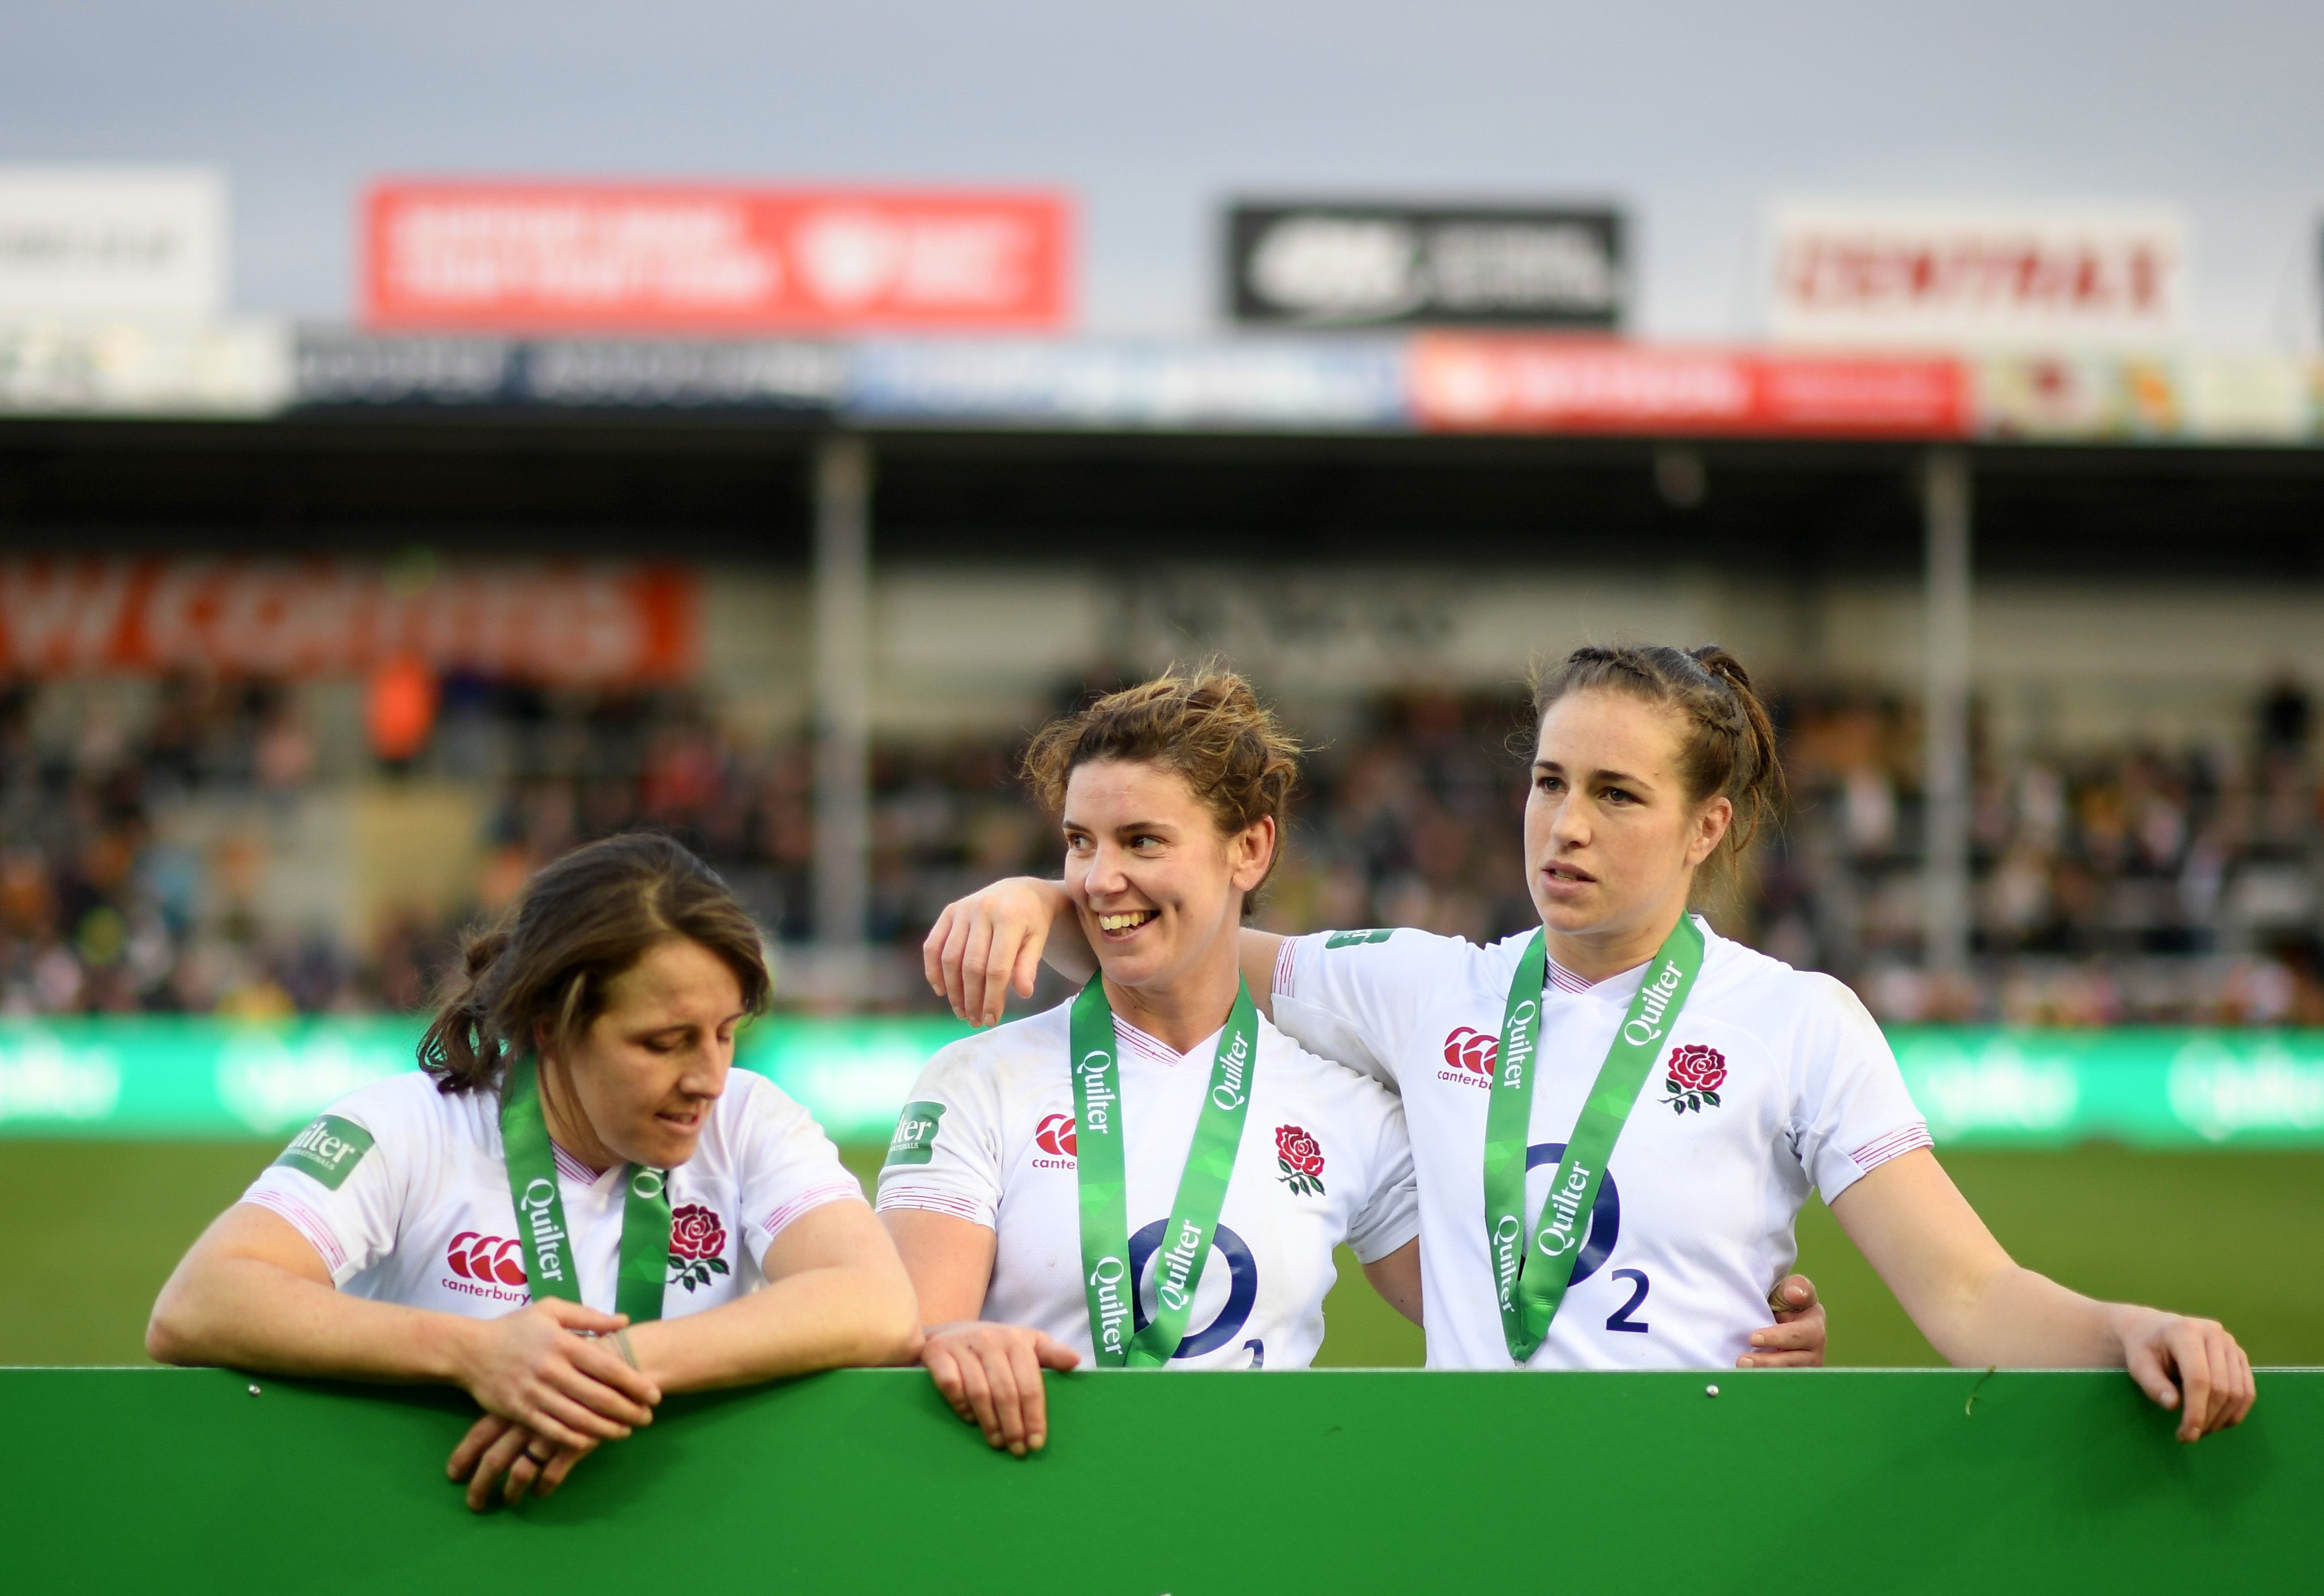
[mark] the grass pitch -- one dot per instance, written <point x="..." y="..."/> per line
<point x="89" y="1231"/>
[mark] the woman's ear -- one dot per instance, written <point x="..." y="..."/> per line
<point x="1250" y="851"/>
<point x="1710" y="824"/>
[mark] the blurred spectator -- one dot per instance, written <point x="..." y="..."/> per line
<point x="2132" y="884"/>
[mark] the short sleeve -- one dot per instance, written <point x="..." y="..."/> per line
<point x="1354" y="997"/>
<point x="1853" y="1113"/>
<point x="1390" y="1214"/>
<point x="945" y="1155"/>
<point x="786" y="1167"/>
<point x="343" y="1181"/>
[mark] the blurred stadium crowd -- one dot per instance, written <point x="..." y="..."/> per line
<point x="2130" y="884"/>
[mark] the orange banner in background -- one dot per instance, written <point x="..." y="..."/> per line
<point x="562" y="622"/>
<point x="1463" y="381"/>
<point x="582" y="257"/>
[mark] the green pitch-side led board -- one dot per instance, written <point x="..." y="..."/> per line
<point x="171" y="1077"/>
<point x="1194" y="1484"/>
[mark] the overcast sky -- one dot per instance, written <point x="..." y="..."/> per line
<point x="1690" y="116"/>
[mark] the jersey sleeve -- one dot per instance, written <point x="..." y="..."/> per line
<point x="1354" y="997"/>
<point x="1853" y="1113"/>
<point x="945" y="1156"/>
<point x="787" y="1167"/>
<point x="1390" y="1213"/>
<point x="343" y="1181"/>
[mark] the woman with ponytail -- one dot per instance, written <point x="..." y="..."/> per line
<point x="1615" y="1118"/>
<point x="576" y="1206"/>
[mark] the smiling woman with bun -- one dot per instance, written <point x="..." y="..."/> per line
<point x="1616" y="1117"/>
<point x="577" y="1206"/>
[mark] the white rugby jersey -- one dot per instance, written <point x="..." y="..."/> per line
<point x="988" y="1137"/>
<point x="1693" y="1225"/>
<point x="403" y="1191"/>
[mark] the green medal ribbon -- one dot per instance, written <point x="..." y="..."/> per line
<point x="1531" y="1274"/>
<point x="541" y="1209"/>
<point x="1106" y="1276"/>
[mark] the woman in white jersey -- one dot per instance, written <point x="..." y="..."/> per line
<point x="1616" y="1120"/>
<point x="1245" y="1159"/>
<point x="576" y="1206"/>
<point x="1151" y="1176"/>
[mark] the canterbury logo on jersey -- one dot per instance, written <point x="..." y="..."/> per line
<point x="1470" y="1052"/>
<point x="485" y="1265"/>
<point x="1056" y="1138"/>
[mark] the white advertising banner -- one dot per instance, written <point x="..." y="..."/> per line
<point x="112" y="241"/>
<point x="1933" y="277"/>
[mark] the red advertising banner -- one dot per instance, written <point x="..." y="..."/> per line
<point x="559" y="621"/>
<point x="1507" y="384"/>
<point x="548" y="258"/>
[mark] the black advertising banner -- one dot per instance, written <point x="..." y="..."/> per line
<point x="1362" y="264"/>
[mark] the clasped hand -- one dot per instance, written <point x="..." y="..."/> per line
<point x="551" y="1395"/>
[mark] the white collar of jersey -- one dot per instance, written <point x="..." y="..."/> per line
<point x="1133" y="1041"/>
<point x="1618" y="989"/>
<point x="573" y="1168"/>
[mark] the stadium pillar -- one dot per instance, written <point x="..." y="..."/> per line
<point x="842" y="711"/>
<point x="1945" y="788"/>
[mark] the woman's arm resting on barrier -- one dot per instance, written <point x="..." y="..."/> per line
<point x="990" y="1374"/>
<point x="1796" y="1339"/>
<point x="252" y="1293"/>
<point x="1976" y="1306"/>
<point x="1397" y="1278"/>
<point x="835" y="1297"/>
<point x="993" y="942"/>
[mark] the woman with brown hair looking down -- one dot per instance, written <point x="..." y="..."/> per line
<point x="576" y="1207"/>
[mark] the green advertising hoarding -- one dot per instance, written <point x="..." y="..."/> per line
<point x="172" y="1076"/>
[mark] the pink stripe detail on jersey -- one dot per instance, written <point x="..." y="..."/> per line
<point x="932" y="1202"/>
<point x="308" y="1224"/>
<point x="1565" y="980"/>
<point x="1286" y="965"/>
<point x="573" y="1168"/>
<point x="1873" y="1154"/>
<point x="1136" y="1040"/>
<point x="812" y="1198"/>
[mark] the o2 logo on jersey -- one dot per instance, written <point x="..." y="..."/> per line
<point x="1605" y="1213"/>
<point x="1243" y="1287"/>
<point x="1055" y="1138"/>
<point x="486" y="1258"/>
<point x="1470" y="1052"/>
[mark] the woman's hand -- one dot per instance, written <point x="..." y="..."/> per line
<point x="2192" y="1365"/>
<point x="512" y="1457"/>
<point x="990" y="942"/>
<point x="532" y="1368"/>
<point x="1796" y="1339"/>
<point x="992" y="1376"/>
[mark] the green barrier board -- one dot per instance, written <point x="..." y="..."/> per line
<point x="1186" y="1483"/>
<point x="168" y="1076"/>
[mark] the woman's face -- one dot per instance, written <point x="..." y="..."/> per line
<point x="647" y="1071"/>
<point x="1154" y="881"/>
<point x="1610" y="839"/>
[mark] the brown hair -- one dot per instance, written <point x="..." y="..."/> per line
<point x="1206" y="723"/>
<point x="544" y="962"/>
<point x="1729" y="748"/>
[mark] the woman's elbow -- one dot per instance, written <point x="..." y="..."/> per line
<point x="893" y="1329"/>
<point x="169" y="1335"/>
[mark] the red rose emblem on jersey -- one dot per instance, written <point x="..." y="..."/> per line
<point x="1300" y="1156"/>
<point x="1694" y="1077"/>
<point x="1056" y="1135"/>
<point x="1472" y="1050"/>
<point x="697" y="1246"/>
